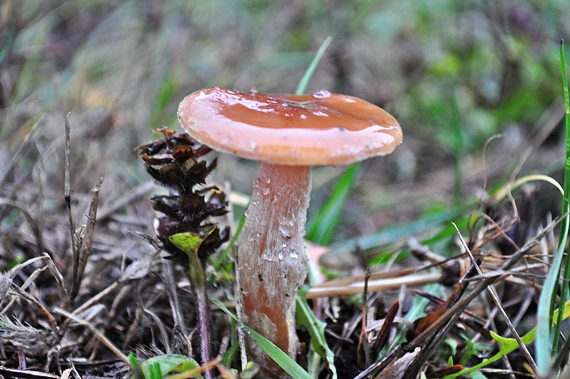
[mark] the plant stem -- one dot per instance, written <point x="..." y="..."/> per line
<point x="198" y="280"/>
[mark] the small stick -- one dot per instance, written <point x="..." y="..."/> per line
<point x="377" y="285"/>
<point x="67" y="197"/>
<point x="497" y="302"/>
<point x="37" y="303"/>
<point x="97" y="333"/>
<point x="170" y="288"/>
<point x="97" y="297"/>
<point x="479" y="287"/>
<point x="33" y="223"/>
<point x="202" y="369"/>
<point x="363" y="349"/>
<point x="384" y="332"/>
<point x="86" y="241"/>
<point x="126" y="199"/>
<point x="16" y="155"/>
<point x="461" y="304"/>
<point x="26" y="374"/>
<point x="57" y="276"/>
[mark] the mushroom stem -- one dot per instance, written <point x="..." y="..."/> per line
<point x="272" y="262"/>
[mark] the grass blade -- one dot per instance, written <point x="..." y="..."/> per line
<point x="545" y="350"/>
<point x="565" y="223"/>
<point x="218" y="263"/>
<point x="459" y="145"/>
<point x="321" y="228"/>
<point x="508" y="345"/>
<point x="282" y="359"/>
<point x="396" y="236"/>
<point x="306" y="317"/>
<point x="312" y="67"/>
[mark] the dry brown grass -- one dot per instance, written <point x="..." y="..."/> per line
<point x="120" y="69"/>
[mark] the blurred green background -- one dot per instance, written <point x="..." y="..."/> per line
<point x="454" y="73"/>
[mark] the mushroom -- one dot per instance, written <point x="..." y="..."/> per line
<point x="289" y="134"/>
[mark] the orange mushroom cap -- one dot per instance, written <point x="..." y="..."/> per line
<point x="300" y="130"/>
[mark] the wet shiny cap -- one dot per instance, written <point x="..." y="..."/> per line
<point x="297" y="130"/>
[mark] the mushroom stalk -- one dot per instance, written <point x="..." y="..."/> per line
<point x="272" y="262"/>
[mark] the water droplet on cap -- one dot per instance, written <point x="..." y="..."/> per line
<point x="322" y="94"/>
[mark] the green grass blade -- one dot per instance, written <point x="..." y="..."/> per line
<point x="306" y="317"/>
<point x="232" y="352"/>
<point x="543" y="344"/>
<point x="312" y="67"/>
<point x="509" y="345"/>
<point x="139" y="374"/>
<point x="322" y="227"/>
<point x="163" y="365"/>
<point x="282" y="359"/>
<point x="217" y="264"/>
<point x="396" y="236"/>
<point x="459" y="148"/>
<point x="28" y="75"/>
<point x="163" y="99"/>
<point x="565" y="224"/>
<point x="545" y="350"/>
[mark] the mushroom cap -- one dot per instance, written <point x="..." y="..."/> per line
<point x="295" y="130"/>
